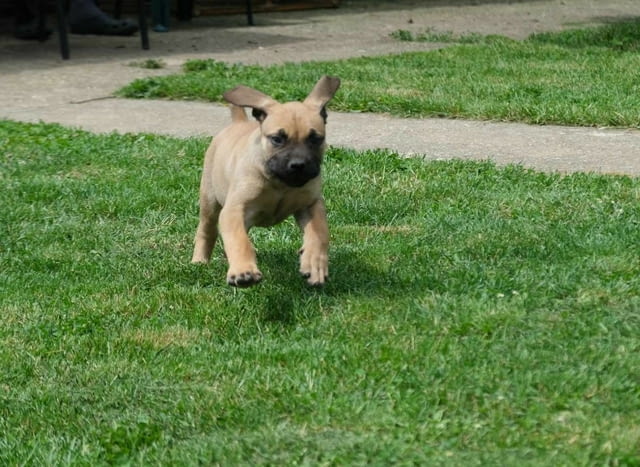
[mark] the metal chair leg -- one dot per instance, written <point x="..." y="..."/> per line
<point x="142" y="24"/>
<point x="250" y="13"/>
<point x="62" y="29"/>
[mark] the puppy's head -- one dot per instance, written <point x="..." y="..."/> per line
<point x="292" y="133"/>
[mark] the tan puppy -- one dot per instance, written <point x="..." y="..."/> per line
<point x="257" y="173"/>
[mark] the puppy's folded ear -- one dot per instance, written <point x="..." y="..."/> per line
<point x="323" y="92"/>
<point x="244" y="96"/>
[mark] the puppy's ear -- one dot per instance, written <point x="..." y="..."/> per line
<point x="244" y="96"/>
<point x="323" y="92"/>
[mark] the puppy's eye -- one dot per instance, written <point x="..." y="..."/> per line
<point x="278" y="139"/>
<point x="314" y="139"/>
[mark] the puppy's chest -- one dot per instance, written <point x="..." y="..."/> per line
<point x="271" y="210"/>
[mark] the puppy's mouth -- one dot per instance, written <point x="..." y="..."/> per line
<point x="293" y="171"/>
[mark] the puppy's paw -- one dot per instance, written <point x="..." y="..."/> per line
<point x="199" y="260"/>
<point x="314" y="266"/>
<point x="244" y="276"/>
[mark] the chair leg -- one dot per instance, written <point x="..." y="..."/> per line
<point x="250" y="13"/>
<point x="62" y="29"/>
<point x="142" y="24"/>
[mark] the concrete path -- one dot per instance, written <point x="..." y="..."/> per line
<point x="35" y="85"/>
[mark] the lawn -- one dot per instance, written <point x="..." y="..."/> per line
<point x="475" y="315"/>
<point x="584" y="77"/>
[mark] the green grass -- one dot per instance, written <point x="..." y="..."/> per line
<point x="584" y="77"/>
<point x="620" y="35"/>
<point x="474" y="315"/>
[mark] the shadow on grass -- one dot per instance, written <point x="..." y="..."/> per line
<point x="283" y="297"/>
<point x="286" y="298"/>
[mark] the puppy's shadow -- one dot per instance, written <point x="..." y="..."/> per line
<point x="348" y="274"/>
<point x="288" y="298"/>
<point x="284" y="297"/>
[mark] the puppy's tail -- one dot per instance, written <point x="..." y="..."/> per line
<point x="238" y="114"/>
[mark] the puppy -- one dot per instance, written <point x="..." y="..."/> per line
<point x="257" y="173"/>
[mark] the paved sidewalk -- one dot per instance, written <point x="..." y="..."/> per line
<point x="35" y="85"/>
<point x="548" y="148"/>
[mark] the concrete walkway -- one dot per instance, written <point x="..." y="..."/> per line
<point x="35" y="85"/>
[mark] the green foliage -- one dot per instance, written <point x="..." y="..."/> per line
<point x="474" y="315"/>
<point x="622" y="36"/>
<point x="585" y="77"/>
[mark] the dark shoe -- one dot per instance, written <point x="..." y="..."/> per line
<point x="105" y="26"/>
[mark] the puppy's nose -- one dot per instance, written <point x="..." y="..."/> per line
<point x="296" y="165"/>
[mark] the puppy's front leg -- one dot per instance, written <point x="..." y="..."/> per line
<point x="207" y="230"/>
<point x="243" y="271"/>
<point x="314" y="257"/>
